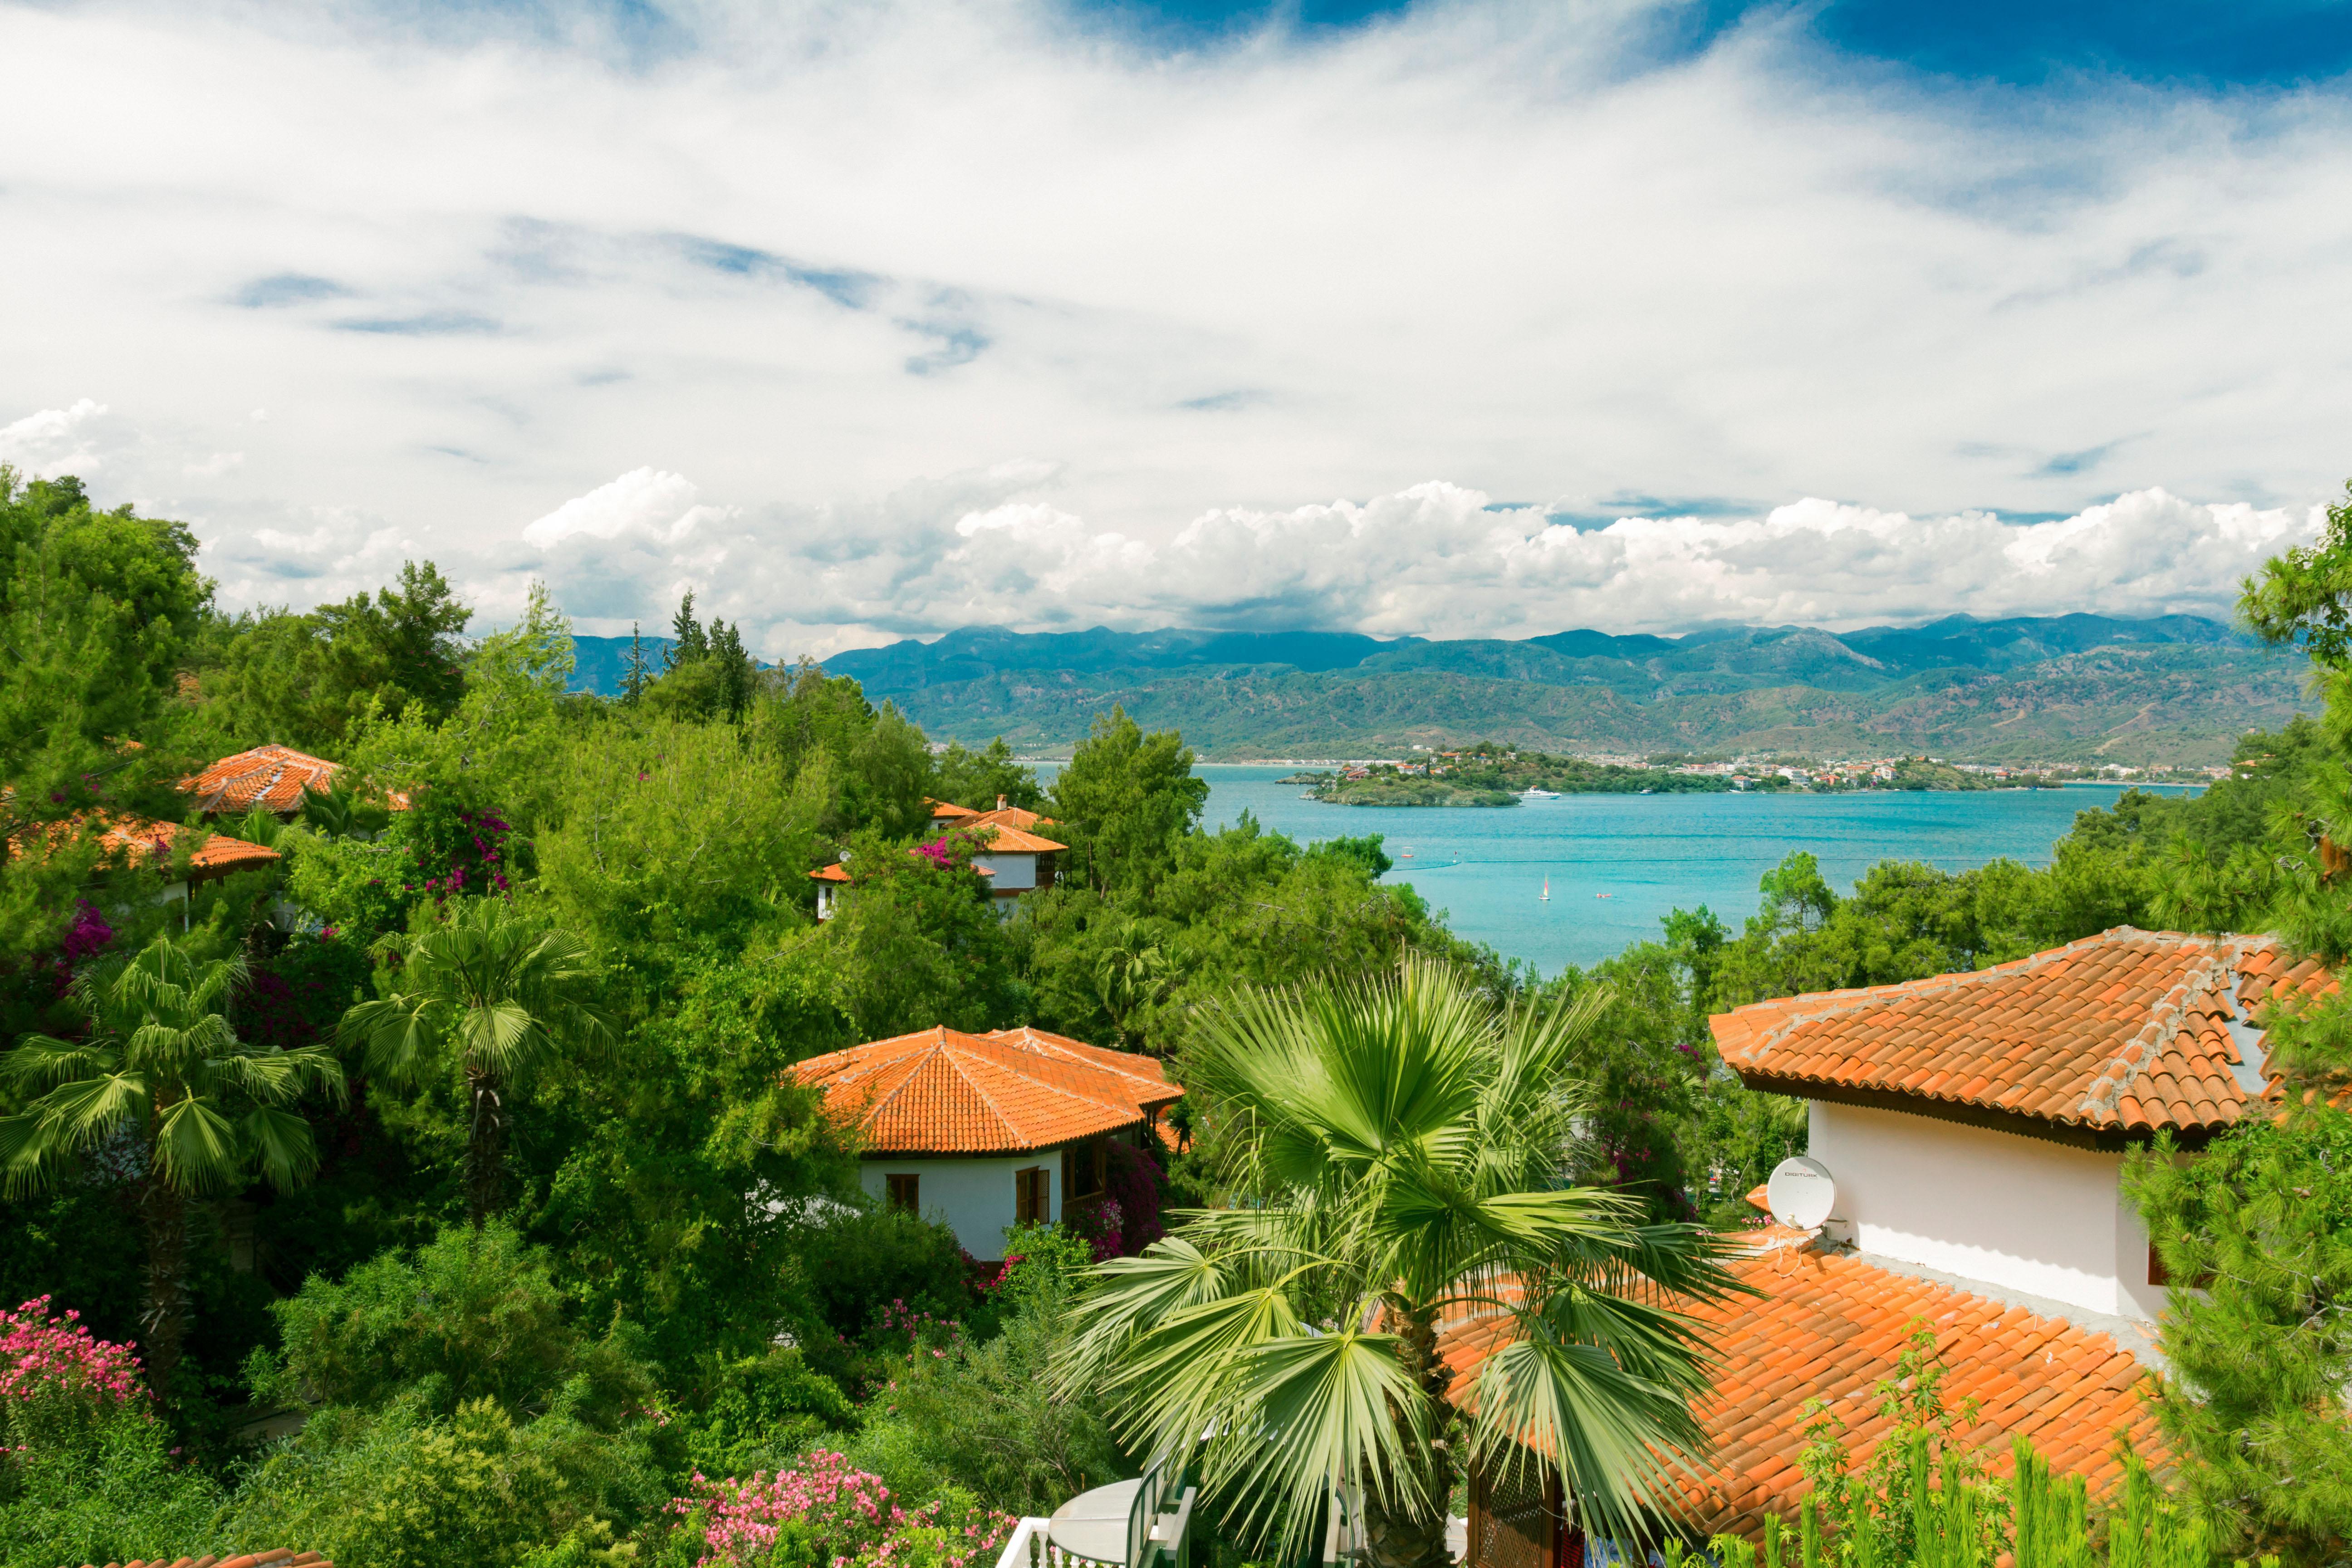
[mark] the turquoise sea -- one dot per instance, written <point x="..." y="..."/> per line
<point x="1618" y="863"/>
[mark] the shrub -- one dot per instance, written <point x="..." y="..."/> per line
<point x="399" y="1487"/>
<point x="764" y="1411"/>
<point x="84" y="1472"/>
<point x="858" y="1265"/>
<point x="988" y="1415"/>
<point x="472" y="1315"/>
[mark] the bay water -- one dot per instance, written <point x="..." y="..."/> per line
<point x="1617" y="864"/>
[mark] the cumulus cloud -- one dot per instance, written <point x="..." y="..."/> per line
<point x="1443" y="560"/>
<point x="643" y="500"/>
<point x="54" y="441"/>
<point x="962" y="313"/>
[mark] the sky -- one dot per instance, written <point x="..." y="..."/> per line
<point x="1466" y="318"/>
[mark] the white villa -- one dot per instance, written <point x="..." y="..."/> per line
<point x="985" y="1132"/>
<point x="1974" y="1127"/>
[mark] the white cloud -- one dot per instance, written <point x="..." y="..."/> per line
<point x="214" y="466"/>
<point x="872" y="274"/>
<point x="643" y="500"/>
<point x="56" y="440"/>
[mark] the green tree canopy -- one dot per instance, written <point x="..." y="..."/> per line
<point x="304" y="680"/>
<point x="1127" y="800"/>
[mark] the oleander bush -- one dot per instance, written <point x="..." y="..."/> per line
<point x="88" y="1473"/>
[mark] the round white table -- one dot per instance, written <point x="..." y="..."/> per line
<point x="1093" y="1524"/>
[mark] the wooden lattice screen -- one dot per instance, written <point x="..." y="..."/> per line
<point x="1518" y="1521"/>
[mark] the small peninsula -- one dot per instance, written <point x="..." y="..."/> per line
<point x="1488" y="775"/>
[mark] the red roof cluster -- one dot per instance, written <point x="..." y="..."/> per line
<point x="1830" y="1327"/>
<point x="1015" y="825"/>
<point x="1009" y="1091"/>
<point x="2123" y="1033"/>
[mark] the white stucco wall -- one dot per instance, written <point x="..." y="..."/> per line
<point x="973" y="1197"/>
<point x="2011" y="1210"/>
<point x="1014" y="873"/>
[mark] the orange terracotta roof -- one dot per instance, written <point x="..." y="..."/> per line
<point x="1832" y="1327"/>
<point x="1002" y="840"/>
<point x="271" y="776"/>
<point x="1009" y="816"/>
<point x="949" y="811"/>
<point x="154" y="842"/>
<point x="273" y="1557"/>
<point x="829" y="874"/>
<point x="1005" y="1092"/>
<point x="2122" y="1033"/>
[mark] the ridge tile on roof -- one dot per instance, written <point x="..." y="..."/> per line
<point x="2125" y="1033"/>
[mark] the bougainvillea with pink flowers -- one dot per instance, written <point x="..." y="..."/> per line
<point x="829" y="1515"/>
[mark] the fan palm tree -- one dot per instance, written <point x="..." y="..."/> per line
<point x="162" y="1088"/>
<point x="502" y="994"/>
<point x="1395" y="1151"/>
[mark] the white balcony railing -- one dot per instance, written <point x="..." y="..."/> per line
<point x="1030" y="1548"/>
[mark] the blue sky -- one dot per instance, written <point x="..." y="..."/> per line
<point x="1488" y="316"/>
<point x="2252" y="44"/>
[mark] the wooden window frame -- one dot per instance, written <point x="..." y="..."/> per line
<point x="904" y="1190"/>
<point x="1033" y="1196"/>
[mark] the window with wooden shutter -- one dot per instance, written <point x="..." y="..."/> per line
<point x="906" y="1192"/>
<point x="1031" y="1196"/>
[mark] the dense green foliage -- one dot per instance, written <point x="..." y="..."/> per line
<point x="484" y="1162"/>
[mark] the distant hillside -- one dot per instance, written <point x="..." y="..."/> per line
<point x="2068" y="687"/>
<point x="598" y="662"/>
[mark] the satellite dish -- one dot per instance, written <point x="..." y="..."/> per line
<point x="1800" y="1193"/>
<point x="844" y="857"/>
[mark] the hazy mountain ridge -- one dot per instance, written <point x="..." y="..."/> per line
<point x="2175" y="689"/>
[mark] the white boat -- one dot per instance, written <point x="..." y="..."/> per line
<point x="1539" y="794"/>
<point x="1547" y="892"/>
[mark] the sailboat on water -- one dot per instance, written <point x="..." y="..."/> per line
<point x="1547" y="892"/>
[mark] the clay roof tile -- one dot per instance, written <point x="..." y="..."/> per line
<point x="942" y="1091"/>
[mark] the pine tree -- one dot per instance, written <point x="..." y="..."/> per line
<point x="633" y="669"/>
<point x="736" y="668"/>
<point x="2256" y="1231"/>
<point x="688" y="643"/>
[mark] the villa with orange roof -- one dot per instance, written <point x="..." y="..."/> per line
<point x="987" y="1132"/>
<point x="1973" y="1129"/>
<point x="1013" y="855"/>
<point x="272" y="777"/>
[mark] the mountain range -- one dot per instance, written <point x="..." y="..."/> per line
<point x="2077" y="688"/>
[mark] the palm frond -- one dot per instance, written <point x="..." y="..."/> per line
<point x="283" y="1141"/>
<point x="1327" y="1411"/>
<point x="1615" y="1438"/>
<point x="40" y="1061"/>
<point x="28" y="1161"/>
<point x="196" y="1147"/>
<point x="398" y="1037"/>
